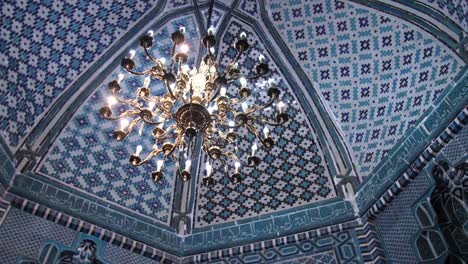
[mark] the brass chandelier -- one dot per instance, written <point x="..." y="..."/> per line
<point x="194" y="106"/>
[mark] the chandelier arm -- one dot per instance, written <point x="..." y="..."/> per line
<point x="124" y="114"/>
<point x="231" y="65"/>
<point x="168" y="129"/>
<point x="255" y="76"/>
<point x="137" y="73"/>
<point x="148" y="54"/>
<point x="226" y="167"/>
<point x="123" y="101"/>
<point x="265" y="121"/>
<point x="150" y="155"/>
<point x="132" y="125"/>
<point x="170" y="90"/>
<point x="257" y="107"/>
<point x="174" y="45"/>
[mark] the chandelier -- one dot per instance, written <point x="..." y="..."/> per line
<point x="195" y="106"/>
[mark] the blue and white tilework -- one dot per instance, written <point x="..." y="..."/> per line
<point x="24" y="234"/>
<point x="250" y="7"/>
<point x="377" y="73"/>
<point x="457" y="149"/>
<point x="46" y="45"/>
<point x="86" y="156"/>
<point x="174" y="4"/>
<point x="292" y="173"/>
<point x="216" y="17"/>
<point x="397" y="225"/>
<point x="457" y="10"/>
<point x="116" y="254"/>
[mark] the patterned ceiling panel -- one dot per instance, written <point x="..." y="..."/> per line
<point x="378" y="73"/>
<point x="46" y="45"/>
<point x="86" y="156"/>
<point x="250" y="7"/>
<point x="457" y="10"/>
<point x="293" y="173"/>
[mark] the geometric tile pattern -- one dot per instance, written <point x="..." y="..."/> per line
<point x="116" y="254"/>
<point x="458" y="147"/>
<point x="397" y="224"/>
<point x="456" y="10"/>
<point x="334" y="248"/>
<point x="87" y="157"/>
<point x="24" y="234"/>
<point x="293" y="173"/>
<point x="377" y="73"/>
<point x="46" y="45"/>
<point x="250" y="7"/>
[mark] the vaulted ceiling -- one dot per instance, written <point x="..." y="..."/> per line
<point x="359" y="79"/>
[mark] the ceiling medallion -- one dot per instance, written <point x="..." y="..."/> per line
<point x="194" y="107"/>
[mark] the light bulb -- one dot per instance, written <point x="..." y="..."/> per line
<point x="231" y="124"/>
<point x="188" y="163"/>
<point x="222" y="91"/>
<point x="182" y="30"/>
<point x="123" y="124"/>
<point x="111" y="100"/>
<point x="212" y="70"/>
<point x="172" y="86"/>
<point x="139" y="148"/>
<point x="132" y="54"/>
<point x="243" y="35"/>
<point x="281" y="106"/>
<point x="185" y="69"/>
<point x="266" y="131"/>
<point x="254" y="149"/>
<point x="151" y="105"/>
<point x="243" y="82"/>
<point x="237" y="166"/>
<point x="150" y="33"/>
<point x="210" y="110"/>
<point x="261" y="58"/>
<point x="159" y="164"/>
<point x="184" y="48"/>
<point x="245" y="107"/>
<point x="120" y="77"/>
<point x="163" y="61"/>
<point x="146" y="82"/>
<point x="271" y="82"/>
<point x="209" y="169"/>
<point x="211" y="31"/>
<point x="212" y="50"/>
<point x="236" y="65"/>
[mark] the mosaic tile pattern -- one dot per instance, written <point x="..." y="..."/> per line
<point x="293" y="173"/>
<point x="87" y="157"/>
<point x="377" y="73"/>
<point x="22" y="234"/>
<point x="116" y="254"/>
<point x="46" y="45"/>
<point x="251" y="7"/>
<point x="397" y="224"/>
<point x="339" y="247"/>
<point x="454" y="9"/>
<point x="458" y="147"/>
<point x="173" y="4"/>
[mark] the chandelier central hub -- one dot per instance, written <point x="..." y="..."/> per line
<point x="193" y="116"/>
